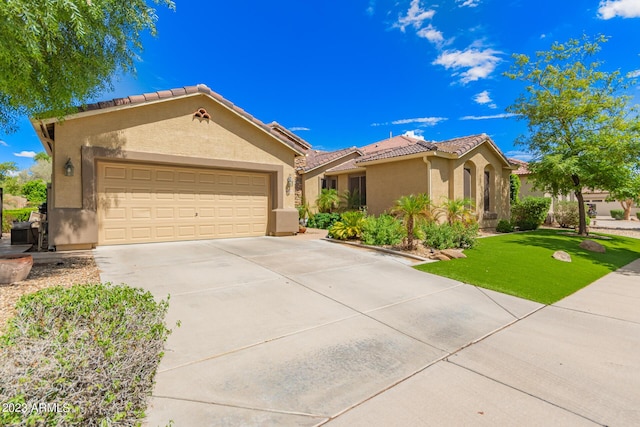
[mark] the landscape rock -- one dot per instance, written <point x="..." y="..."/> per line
<point x="561" y="256"/>
<point x="453" y="254"/>
<point x="592" y="246"/>
<point x="441" y="257"/>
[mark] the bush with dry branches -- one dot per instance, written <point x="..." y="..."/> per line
<point x="86" y="355"/>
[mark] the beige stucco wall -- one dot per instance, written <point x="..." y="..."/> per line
<point x="169" y="129"/>
<point x="387" y="182"/>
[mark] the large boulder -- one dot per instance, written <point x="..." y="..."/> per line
<point x="592" y="246"/>
<point x="561" y="256"/>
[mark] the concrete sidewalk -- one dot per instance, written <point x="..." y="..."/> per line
<point x="289" y="332"/>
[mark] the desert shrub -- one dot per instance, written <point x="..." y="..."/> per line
<point x="617" y="214"/>
<point x="323" y="220"/>
<point x="382" y="230"/>
<point x="90" y="350"/>
<point x="349" y="226"/>
<point x="504" y="226"/>
<point x="447" y="236"/>
<point x="9" y="216"/>
<point x="567" y="214"/>
<point x="530" y="213"/>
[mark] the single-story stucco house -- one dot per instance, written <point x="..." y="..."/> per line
<point x="469" y="167"/>
<point x="180" y="164"/>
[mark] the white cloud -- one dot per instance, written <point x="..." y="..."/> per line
<point x="479" y="63"/>
<point x="519" y="155"/>
<point x="431" y="34"/>
<point x="495" y="116"/>
<point x="623" y="8"/>
<point x="3" y="143"/>
<point x="371" y="9"/>
<point x="416" y="133"/>
<point x="423" y="121"/>
<point x="468" y="3"/>
<point x="30" y="154"/>
<point x="483" y="98"/>
<point x="298" y="128"/>
<point x="633" y="74"/>
<point x="415" y="16"/>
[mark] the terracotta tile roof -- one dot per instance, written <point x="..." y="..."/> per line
<point x="316" y="159"/>
<point x="406" y="150"/>
<point x="523" y="167"/>
<point x="461" y="145"/>
<point x="386" y="144"/>
<point x="295" y="143"/>
<point x="290" y="135"/>
<point x="346" y="166"/>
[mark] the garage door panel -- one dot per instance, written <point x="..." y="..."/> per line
<point x="178" y="203"/>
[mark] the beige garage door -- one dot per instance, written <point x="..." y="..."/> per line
<point x="140" y="203"/>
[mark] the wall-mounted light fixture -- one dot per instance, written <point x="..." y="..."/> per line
<point x="289" y="184"/>
<point x="68" y="168"/>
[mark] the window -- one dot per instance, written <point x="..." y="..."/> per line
<point x="487" y="191"/>
<point x="358" y="189"/>
<point x="467" y="183"/>
<point x="329" y="183"/>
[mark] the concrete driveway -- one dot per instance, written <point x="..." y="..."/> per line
<point x="278" y="331"/>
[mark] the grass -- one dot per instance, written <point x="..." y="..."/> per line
<point x="520" y="264"/>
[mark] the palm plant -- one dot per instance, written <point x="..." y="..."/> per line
<point x="412" y="209"/>
<point x="351" y="199"/>
<point x="349" y="227"/>
<point x="458" y="210"/>
<point x="328" y="200"/>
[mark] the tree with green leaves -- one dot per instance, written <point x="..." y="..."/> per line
<point x="582" y="130"/>
<point x="628" y="194"/>
<point x="55" y="55"/>
<point x="6" y="169"/>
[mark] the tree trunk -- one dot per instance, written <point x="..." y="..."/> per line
<point x="627" y="205"/>
<point x="582" y="225"/>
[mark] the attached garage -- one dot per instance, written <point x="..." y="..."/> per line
<point x="140" y="203"/>
<point x="181" y="164"/>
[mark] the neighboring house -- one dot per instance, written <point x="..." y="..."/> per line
<point x="181" y="164"/>
<point x="591" y="197"/>
<point x="470" y="167"/>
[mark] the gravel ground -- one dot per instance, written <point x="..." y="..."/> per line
<point x="65" y="272"/>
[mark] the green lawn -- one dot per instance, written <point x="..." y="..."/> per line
<point x="520" y="264"/>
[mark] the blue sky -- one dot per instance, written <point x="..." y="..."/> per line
<point x="347" y="73"/>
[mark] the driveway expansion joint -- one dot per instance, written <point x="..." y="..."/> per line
<point x="250" y="408"/>
<point x="595" y="314"/>
<point x="524" y="392"/>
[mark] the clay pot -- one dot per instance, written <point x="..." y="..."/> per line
<point x="302" y="229"/>
<point x="14" y="268"/>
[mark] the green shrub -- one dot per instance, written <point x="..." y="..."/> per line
<point x="638" y="215"/>
<point x="93" y="350"/>
<point x="35" y="192"/>
<point x="447" y="236"/>
<point x="323" y="220"/>
<point x="382" y="230"/>
<point x="11" y="215"/>
<point x="349" y="226"/>
<point x="504" y="226"/>
<point x="530" y="213"/>
<point x="617" y="213"/>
